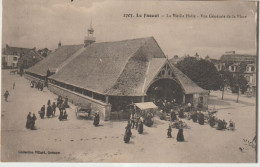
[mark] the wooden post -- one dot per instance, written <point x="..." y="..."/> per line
<point x="142" y="100"/>
<point x="183" y="99"/>
<point x="238" y="93"/>
<point x="107" y="99"/>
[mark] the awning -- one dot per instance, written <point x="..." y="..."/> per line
<point x="146" y="105"/>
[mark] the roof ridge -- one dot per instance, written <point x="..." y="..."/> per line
<point x="144" y="38"/>
<point x="71" y="45"/>
<point x="72" y="57"/>
<point x="18" y="47"/>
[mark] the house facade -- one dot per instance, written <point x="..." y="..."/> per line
<point x="16" y="57"/>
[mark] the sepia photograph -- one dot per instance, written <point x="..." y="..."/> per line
<point x="129" y="81"/>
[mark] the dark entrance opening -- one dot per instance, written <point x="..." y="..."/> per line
<point x="165" y="89"/>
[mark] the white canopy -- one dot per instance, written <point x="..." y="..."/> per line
<point x="146" y="105"/>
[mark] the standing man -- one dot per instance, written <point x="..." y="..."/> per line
<point x="132" y="120"/>
<point x="49" y="111"/>
<point x="49" y="102"/>
<point x="53" y="109"/>
<point x="169" y="133"/>
<point x="96" y="119"/>
<point x="42" y="113"/>
<point x="6" y="95"/>
<point x="66" y="105"/>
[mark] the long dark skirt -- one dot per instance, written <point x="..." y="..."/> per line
<point x="126" y="138"/>
<point x="96" y="121"/>
<point x="169" y="134"/>
<point x="180" y="136"/>
<point x="28" y="124"/>
<point x="140" y="128"/>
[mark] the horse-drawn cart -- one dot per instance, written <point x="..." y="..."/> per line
<point x="83" y="111"/>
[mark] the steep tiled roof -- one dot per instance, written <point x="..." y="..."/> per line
<point x="237" y="57"/>
<point x="121" y="68"/>
<point x="55" y="59"/>
<point x="114" y="68"/>
<point x="187" y="84"/>
<point x="15" y="51"/>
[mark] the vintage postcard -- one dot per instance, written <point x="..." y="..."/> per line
<point x="129" y="81"/>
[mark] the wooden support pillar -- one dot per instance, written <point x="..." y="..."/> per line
<point x="142" y="100"/>
<point x="107" y="99"/>
<point x="183" y="99"/>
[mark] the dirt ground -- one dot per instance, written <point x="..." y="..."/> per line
<point x="79" y="141"/>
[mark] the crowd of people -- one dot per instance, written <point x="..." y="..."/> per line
<point x="37" y="84"/>
<point x="51" y="109"/>
<point x="136" y="122"/>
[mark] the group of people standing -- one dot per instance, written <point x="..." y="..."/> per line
<point x="180" y="136"/>
<point x="51" y="109"/>
<point x="30" y="123"/>
<point x="62" y="105"/>
<point x="134" y="122"/>
<point x="165" y="105"/>
<point x="38" y="85"/>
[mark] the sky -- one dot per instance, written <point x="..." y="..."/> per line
<point x="43" y="23"/>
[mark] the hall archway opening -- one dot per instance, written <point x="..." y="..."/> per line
<point x="165" y="89"/>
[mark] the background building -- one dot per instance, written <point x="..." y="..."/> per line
<point x="16" y="57"/>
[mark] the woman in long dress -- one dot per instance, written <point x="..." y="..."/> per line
<point x="29" y="120"/>
<point x="180" y="136"/>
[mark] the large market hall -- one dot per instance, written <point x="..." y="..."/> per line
<point x="112" y="75"/>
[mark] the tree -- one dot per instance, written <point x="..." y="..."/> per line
<point x="44" y="52"/>
<point x="238" y="82"/>
<point x="201" y="71"/>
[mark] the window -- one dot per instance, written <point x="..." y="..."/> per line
<point x="248" y="78"/>
<point x="15" y="58"/>
<point x="252" y="68"/>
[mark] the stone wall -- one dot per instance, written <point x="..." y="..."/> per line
<point x="196" y="100"/>
<point x="31" y="78"/>
<point x="104" y="109"/>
